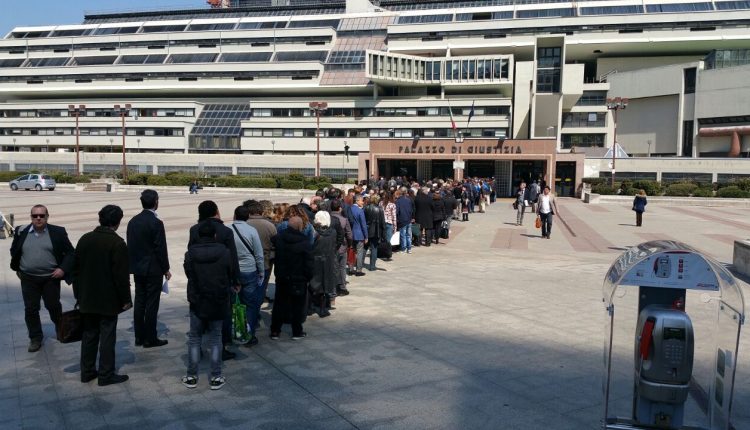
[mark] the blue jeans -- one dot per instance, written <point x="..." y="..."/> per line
<point x="197" y="327"/>
<point x="405" y="237"/>
<point x="388" y="232"/>
<point x="251" y="295"/>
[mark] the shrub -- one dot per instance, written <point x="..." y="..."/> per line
<point x="703" y="192"/>
<point x="9" y="176"/>
<point x="294" y="176"/>
<point x="604" y="190"/>
<point x="292" y="185"/>
<point x="137" y="179"/>
<point x="594" y="181"/>
<point x="652" y="188"/>
<point x="157" y="180"/>
<point x="743" y="184"/>
<point x="733" y="191"/>
<point x="680" y="189"/>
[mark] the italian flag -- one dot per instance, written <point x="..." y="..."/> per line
<point x="453" y="122"/>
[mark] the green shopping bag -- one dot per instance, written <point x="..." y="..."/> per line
<point x="240" y="334"/>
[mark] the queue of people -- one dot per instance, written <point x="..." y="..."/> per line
<point x="313" y="248"/>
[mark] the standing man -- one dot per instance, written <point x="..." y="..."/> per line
<point x="534" y="191"/>
<point x="266" y="230"/>
<point x="102" y="289"/>
<point x="149" y="264"/>
<point x="41" y="255"/>
<point x="546" y="209"/>
<point x="359" y="234"/>
<point x="521" y="201"/>
<point x="208" y="212"/>
<point x="336" y="213"/>
<point x="252" y="270"/>
<point x="404" y="218"/>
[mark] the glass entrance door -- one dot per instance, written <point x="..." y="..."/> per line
<point x="442" y="169"/>
<point x="565" y="178"/>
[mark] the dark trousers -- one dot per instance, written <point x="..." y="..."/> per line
<point x="546" y="223"/>
<point x="427" y="236"/>
<point x="639" y="219"/>
<point x="438" y="225"/>
<point x="146" y="306"/>
<point x="34" y="289"/>
<point x="287" y="307"/>
<point x="99" y="332"/>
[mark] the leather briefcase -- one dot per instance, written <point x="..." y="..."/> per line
<point x="70" y="327"/>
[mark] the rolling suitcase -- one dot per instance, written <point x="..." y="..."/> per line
<point x="385" y="250"/>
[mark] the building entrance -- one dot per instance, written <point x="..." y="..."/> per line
<point x="391" y="168"/>
<point x="565" y="180"/>
<point x="442" y="169"/>
<point x="528" y="171"/>
<point x="480" y="168"/>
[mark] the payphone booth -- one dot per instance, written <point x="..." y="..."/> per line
<point x="673" y="319"/>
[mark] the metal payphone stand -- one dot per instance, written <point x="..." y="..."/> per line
<point x="649" y="375"/>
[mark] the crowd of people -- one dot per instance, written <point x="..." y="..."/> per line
<point x="313" y="249"/>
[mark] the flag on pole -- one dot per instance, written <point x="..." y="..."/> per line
<point x="471" y="114"/>
<point x="450" y="112"/>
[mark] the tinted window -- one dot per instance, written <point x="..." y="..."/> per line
<point x="32" y="177"/>
<point x="46" y="177"/>
<point x="23" y="178"/>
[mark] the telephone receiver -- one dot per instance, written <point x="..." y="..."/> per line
<point x="647" y="336"/>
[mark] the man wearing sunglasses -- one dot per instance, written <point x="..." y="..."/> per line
<point x="41" y="255"/>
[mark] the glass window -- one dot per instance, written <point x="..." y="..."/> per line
<point x="690" y="75"/>
<point x="731" y="5"/>
<point x="94" y="61"/>
<point x="191" y="58"/>
<point x="212" y="27"/>
<point x="545" y="13"/>
<point x="678" y="7"/>
<point x="611" y="10"/>
<point x="319" y="56"/>
<point x="48" y="62"/>
<point x="245" y="57"/>
<point x="164" y="28"/>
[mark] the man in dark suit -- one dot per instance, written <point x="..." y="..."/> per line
<point x="41" y="255"/>
<point x="102" y="288"/>
<point x="149" y="264"/>
<point x="208" y="211"/>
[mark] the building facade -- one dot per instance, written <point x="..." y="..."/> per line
<point x="236" y="84"/>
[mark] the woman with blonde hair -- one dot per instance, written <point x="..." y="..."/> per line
<point x="639" y="207"/>
<point x="279" y="211"/>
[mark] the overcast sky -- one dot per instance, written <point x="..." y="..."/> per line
<point x="55" y="12"/>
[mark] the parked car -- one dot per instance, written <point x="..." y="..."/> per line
<point x="36" y="181"/>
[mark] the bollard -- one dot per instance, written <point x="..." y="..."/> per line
<point x="12" y="219"/>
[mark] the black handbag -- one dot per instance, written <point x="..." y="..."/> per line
<point x="70" y="327"/>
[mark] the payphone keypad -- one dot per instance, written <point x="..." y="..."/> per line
<point x="674" y="345"/>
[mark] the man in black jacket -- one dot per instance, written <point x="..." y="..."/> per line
<point x="102" y="288"/>
<point x="293" y="271"/>
<point x="208" y="211"/>
<point x="423" y="214"/>
<point x="209" y="270"/>
<point x="149" y="264"/>
<point x="41" y="255"/>
<point x="375" y="217"/>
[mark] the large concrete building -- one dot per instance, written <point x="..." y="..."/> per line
<point x="228" y="90"/>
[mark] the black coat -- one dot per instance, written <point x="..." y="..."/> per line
<point x="449" y="205"/>
<point x="324" y="276"/>
<point x="209" y="271"/>
<point x="61" y="247"/>
<point x="147" y="245"/>
<point x="293" y="265"/>
<point x="224" y="236"/>
<point x="438" y="210"/>
<point x="423" y="210"/>
<point x="375" y="217"/>
<point x="101" y="276"/>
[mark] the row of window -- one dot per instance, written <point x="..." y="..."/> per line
<point x="465" y="70"/>
<point x="375" y="132"/>
<point x="244" y="57"/>
<point x="162" y="44"/>
<point x="383" y="112"/>
<point x="582" y="140"/>
<point x="249" y="75"/>
<point x="584" y="119"/>
<point x="89" y="131"/>
<point x="174" y="28"/>
<point x="96" y="112"/>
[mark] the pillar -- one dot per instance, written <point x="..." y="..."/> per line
<point x="734" y="148"/>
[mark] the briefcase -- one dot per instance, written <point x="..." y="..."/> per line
<point x="70" y="327"/>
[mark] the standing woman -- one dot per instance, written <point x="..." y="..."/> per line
<point x="438" y="215"/>
<point x="389" y="207"/>
<point x="639" y="206"/>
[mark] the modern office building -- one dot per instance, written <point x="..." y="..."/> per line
<point x="409" y="87"/>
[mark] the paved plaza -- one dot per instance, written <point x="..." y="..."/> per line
<point x="496" y="329"/>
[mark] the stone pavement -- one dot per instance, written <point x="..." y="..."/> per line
<point x="497" y="329"/>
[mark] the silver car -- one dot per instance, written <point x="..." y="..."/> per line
<point x="36" y="181"/>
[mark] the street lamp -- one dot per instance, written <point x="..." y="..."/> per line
<point x="615" y="104"/>
<point x="344" y="159"/>
<point x="273" y="147"/>
<point x="318" y="107"/>
<point x="123" y="111"/>
<point x="77" y="112"/>
<point x="111" y="144"/>
<point x="649" y="148"/>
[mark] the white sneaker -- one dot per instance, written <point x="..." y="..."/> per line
<point x="217" y="382"/>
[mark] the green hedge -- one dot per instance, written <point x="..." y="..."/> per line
<point x="292" y="185"/>
<point x="594" y="181"/>
<point x="733" y="191"/>
<point x="59" y="177"/>
<point x="652" y="188"/>
<point x="703" y="192"/>
<point x="680" y="190"/>
<point x="604" y="189"/>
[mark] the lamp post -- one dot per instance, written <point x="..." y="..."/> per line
<point x="273" y="147"/>
<point x="615" y="104"/>
<point x="123" y="111"/>
<point x="318" y="107"/>
<point x="649" y="148"/>
<point x="77" y="112"/>
<point x="111" y="144"/>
